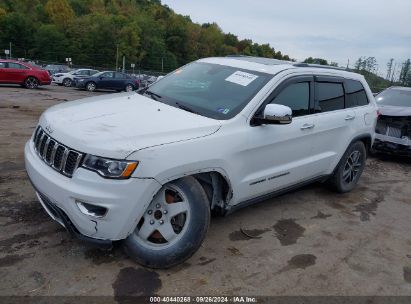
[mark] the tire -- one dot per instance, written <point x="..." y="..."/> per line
<point x="149" y="247"/>
<point x="31" y="83"/>
<point x="90" y="86"/>
<point x="129" y="87"/>
<point x="67" y="82"/>
<point x="350" y="168"/>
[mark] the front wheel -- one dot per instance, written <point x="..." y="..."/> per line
<point x="91" y="86"/>
<point x="173" y="226"/>
<point x="350" y="168"/>
<point x="31" y="83"/>
<point x="67" y="82"/>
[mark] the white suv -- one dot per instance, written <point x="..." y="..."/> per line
<point x="217" y="134"/>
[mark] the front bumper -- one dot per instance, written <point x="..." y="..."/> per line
<point x="392" y="145"/>
<point x="80" y="84"/>
<point x="58" y="80"/>
<point x="125" y="200"/>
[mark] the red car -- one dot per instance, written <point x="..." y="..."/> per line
<point x="27" y="75"/>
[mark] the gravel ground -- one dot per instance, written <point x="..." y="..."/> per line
<point x="308" y="242"/>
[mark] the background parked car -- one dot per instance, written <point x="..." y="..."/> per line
<point x="393" y="131"/>
<point x="109" y="80"/>
<point x="67" y="79"/>
<point x="29" y="76"/>
<point x="57" y="68"/>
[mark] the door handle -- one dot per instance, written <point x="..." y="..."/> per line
<point x="349" y="117"/>
<point x="307" y="126"/>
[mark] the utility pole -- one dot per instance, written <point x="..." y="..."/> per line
<point x="124" y="64"/>
<point x="117" y="59"/>
<point x="10" y="50"/>
<point x="162" y="64"/>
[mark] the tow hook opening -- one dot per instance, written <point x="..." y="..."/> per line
<point x="91" y="210"/>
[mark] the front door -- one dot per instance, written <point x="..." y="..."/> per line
<point x="106" y="81"/>
<point x="279" y="156"/>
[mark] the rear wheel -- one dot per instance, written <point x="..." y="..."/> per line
<point x="91" y="86"/>
<point x="67" y="82"/>
<point x="31" y="83"/>
<point x="173" y="226"/>
<point x="129" y="88"/>
<point x="350" y="168"/>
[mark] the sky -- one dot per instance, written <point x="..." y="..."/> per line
<point x="336" y="30"/>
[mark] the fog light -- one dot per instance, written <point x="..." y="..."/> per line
<point x="91" y="210"/>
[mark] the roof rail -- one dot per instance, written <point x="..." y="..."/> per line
<point x="319" y="66"/>
<point x="261" y="60"/>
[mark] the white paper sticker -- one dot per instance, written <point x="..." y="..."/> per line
<point x="241" y="78"/>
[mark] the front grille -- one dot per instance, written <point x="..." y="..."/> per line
<point x="60" y="157"/>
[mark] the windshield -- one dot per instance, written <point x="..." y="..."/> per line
<point x="211" y="90"/>
<point x="394" y="97"/>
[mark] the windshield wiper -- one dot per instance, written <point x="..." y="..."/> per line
<point x="153" y="95"/>
<point x="186" y="108"/>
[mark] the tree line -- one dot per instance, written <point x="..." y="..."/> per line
<point x="97" y="32"/>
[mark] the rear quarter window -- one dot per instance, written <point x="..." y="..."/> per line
<point x="355" y="94"/>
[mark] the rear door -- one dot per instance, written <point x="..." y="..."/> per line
<point x="357" y="99"/>
<point x="120" y="80"/>
<point x="16" y="72"/>
<point x="335" y="125"/>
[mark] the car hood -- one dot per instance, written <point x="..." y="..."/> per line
<point x="116" y="125"/>
<point x="394" y="111"/>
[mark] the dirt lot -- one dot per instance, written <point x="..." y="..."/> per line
<point x="309" y="242"/>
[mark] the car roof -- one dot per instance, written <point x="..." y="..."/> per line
<point x="14" y="61"/>
<point x="275" y="66"/>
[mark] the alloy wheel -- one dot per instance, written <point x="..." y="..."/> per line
<point x="91" y="86"/>
<point x="31" y="83"/>
<point x="67" y="82"/>
<point x="165" y="219"/>
<point x="352" y="167"/>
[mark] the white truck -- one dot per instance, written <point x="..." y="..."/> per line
<point x="148" y="167"/>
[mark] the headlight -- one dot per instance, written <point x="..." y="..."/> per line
<point x="58" y="75"/>
<point x="81" y="80"/>
<point x="110" y="168"/>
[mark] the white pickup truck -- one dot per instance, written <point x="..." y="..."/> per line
<point x="218" y="134"/>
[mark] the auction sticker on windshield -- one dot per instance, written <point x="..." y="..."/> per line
<point x="241" y="78"/>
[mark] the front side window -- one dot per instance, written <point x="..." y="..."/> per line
<point x="121" y="76"/>
<point x="355" y="94"/>
<point x="108" y="75"/>
<point x="297" y="97"/>
<point x="212" y="90"/>
<point x="330" y="96"/>
<point x="2" y="65"/>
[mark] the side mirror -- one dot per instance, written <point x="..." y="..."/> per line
<point x="275" y="114"/>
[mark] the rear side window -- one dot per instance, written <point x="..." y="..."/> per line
<point x="297" y="97"/>
<point x="356" y="95"/>
<point x="12" y="65"/>
<point x="121" y="76"/>
<point x="330" y="96"/>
